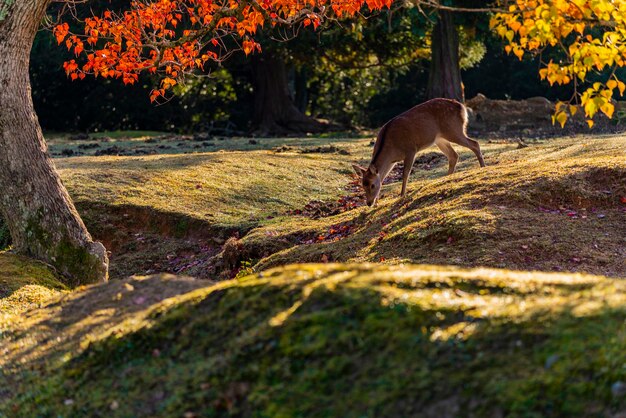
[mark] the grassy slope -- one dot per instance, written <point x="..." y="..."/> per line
<point x="554" y="206"/>
<point x="475" y="217"/>
<point x="24" y="283"/>
<point x="343" y="340"/>
<point x="229" y="189"/>
<point x="326" y="340"/>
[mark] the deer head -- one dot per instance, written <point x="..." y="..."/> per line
<point x="371" y="182"/>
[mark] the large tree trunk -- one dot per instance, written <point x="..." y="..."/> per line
<point x="34" y="203"/>
<point x="274" y="110"/>
<point x="444" y="79"/>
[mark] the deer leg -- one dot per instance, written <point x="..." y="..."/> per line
<point x="470" y="143"/>
<point x="408" y="165"/>
<point x="449" y="152"/>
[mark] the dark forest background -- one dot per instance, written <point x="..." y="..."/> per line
<point x="356" y="74"/>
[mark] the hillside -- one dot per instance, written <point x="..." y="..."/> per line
<point x="555" y="205"/>
<point x="459" y="314"/>
<point x="325" y="340"/>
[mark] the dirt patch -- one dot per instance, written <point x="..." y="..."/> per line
<point x="325" y="149"/>
<point x="141" y="240"/>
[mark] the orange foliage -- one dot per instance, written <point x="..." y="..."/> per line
<point x="175" y="37"/>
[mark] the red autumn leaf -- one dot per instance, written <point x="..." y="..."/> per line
<point x="142" y="39"/>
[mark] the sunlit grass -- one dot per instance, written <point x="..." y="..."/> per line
<point x="326" y="340"/>
<point x="553" y="206"/>
<point x="24" y="284"/>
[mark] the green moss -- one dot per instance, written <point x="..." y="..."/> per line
<point x="76" y="264"/>
<point x="181" y="228"/>
<point x="350" y="341"/>
<point x="5" y="6"/>
<point x="80" y="265"/>
<point x="23" y="283"/>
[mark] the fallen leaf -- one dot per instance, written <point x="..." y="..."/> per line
<point x="139" y="300"/>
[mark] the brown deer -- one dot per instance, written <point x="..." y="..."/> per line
<point x="437" y="121"/>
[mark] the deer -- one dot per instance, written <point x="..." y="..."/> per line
<point x="435" y="122"/>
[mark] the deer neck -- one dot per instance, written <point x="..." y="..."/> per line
<point x="382" y="165"/>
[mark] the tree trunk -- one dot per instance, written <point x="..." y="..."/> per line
<point x="302" y="94"/>
<point x="34" y="203"/>
<point x="274" y="110"/>
<point x="444" y="79"/>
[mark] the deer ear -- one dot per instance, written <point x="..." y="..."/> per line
<point x="360" y="171"/>
<point x="373" y="170"/>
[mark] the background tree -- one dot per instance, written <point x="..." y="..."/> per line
<point x="275" y="109"/>
<point x="591" y="39"/>
<point x="444" y="79"/>
<point x="36" y="207"/>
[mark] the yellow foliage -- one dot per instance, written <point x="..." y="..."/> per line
<point x="591" y="32"/>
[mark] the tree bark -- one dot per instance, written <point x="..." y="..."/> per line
<point x="444" y="79"/>
<point x="300" y="86"/>
<point x="275" y="112"/>
<point x="35" y="205"/>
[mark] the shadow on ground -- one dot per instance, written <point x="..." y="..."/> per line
<point x="333" y="340"/>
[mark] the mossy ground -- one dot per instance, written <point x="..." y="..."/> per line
<point x="556" y="205"/>
<point x="479" y="329"/>
<point x="24" y="283"/>
<point x="326" y="340"/>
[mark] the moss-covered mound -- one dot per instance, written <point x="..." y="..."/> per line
<point x="24" y="283"/>
<point x="325" y="340"/>
<point x="557" y="206"/>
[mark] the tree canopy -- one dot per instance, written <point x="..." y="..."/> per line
<point x="590" y="37"/>
<point x="171" y="38"/>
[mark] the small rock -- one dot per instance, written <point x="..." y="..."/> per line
<point x="201" y="137"/>
<point x="114" y="405"/>
<point x="114" y="150"/>
<point x="68" y="402"/>
<point x="139" y="300"/>
<point x="67" y="152"/>
<point x="601" y="216"/>
<point x="89" y="146"/>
